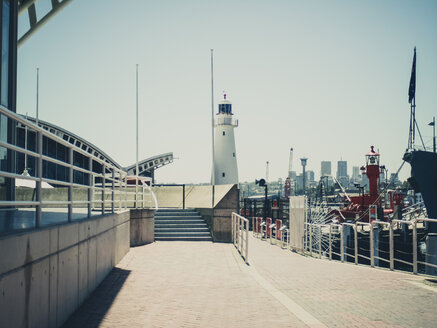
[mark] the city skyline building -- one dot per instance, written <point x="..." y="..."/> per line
<point x="342" y="175"/>
<point x="356" y="174"/>
<point x="325" y="169"/>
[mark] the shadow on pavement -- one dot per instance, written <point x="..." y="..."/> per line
<point x="93" y="310"/>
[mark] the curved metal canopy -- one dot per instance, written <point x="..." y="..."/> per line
<point x="35" y="22"/>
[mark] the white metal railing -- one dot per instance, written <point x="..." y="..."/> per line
<point x="110" y="182"/>
<point x="240" y="235"/>
<point x="374" y="249"/>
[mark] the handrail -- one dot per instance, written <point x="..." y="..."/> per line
<point x="310" y="227"/>
<point x="240" y="235"/>
<point x="111" y="180"/>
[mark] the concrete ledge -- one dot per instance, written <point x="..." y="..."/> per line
<point x="219" y="220"/>
<point x="142" y="227"/>
<point x="46" y="274"/>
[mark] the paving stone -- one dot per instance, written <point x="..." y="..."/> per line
<point x="203" y="284"/>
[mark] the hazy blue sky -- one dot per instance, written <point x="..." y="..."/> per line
<point x="328" y="78"/>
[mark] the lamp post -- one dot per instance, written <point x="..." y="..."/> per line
<point x="262" y="183"/>
<point x="304" y="163"/>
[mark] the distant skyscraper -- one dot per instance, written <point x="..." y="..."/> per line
<point x="356" y="174"/>
<point x="341" y="169"/>
<point x="342" y="176"/>
<point x="326" y="168"/>
<point x="293" y="175"/>
<point x="299" y="182"/>
<point x="310" y="175"/>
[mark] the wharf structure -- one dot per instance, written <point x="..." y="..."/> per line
<point x="68" y="211"/>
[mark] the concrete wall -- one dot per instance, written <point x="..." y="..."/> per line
<point x="142" y="227"/>
<point x="219" y="220"/>
<point x="46" y="274"/>
<point x="297" y="221"/>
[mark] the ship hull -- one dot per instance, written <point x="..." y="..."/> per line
<point x="424" y="180"/>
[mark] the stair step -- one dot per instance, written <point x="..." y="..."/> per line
<point x="173" y="217"/>
<point x="183" y="238"/>
<point x="176" y="213"/>
<point x="181" y="234"/>
<point x="205" y="229"/>
<point x="179" y="221"/>
<point x="182" y="225"/>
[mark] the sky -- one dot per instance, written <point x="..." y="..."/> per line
<point x="327" y="78"/>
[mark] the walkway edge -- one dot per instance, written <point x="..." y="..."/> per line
<point x="291" y="306"/>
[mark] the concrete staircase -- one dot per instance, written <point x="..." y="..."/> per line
<point x="179" y="224"/>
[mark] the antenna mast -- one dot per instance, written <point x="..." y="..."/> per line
<point x="290" y="163"/>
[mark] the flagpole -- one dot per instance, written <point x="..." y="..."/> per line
<point x="212" y="115"/>
<point x="136" y="162"/>
<point x="212" y="132"/>
<point x="433" y="135"/>
<point x="37" y="95"/>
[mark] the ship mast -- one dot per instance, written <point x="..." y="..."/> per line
<point x="412" y="101"/>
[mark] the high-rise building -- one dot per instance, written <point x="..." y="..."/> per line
<point x="342" y="176"/>
<point x="299" y="182"/>
<point x="341" y="169"/>
<point x="325" y="168"/>
<point x="356" y="174"/>
<point x="310" y="175"/>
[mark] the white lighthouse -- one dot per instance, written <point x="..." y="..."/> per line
<point x="225" y="156"/>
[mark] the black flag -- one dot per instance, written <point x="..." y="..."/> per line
<point x="412" y="89"/>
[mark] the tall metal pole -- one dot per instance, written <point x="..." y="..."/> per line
<point x="433" y="135"/>
<point x="212" y="115"/>
<point x="136" y="163"/>
<point x="267" y="172"/>
<point x="37" y="95"/>
<point x="413" y="109"/>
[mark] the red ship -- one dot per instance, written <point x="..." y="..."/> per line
<point x="365" y="206"/>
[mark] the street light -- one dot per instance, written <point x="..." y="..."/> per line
<point x="262" y="183"/>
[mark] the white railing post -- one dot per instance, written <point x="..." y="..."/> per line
<point x="330" y="242"/>
<point x="103" y="187"/>
<point x="391" y="241"/>
<point x="120" y="204"/>
<point x="356" y="243"/>
<point x="247" y="242"/>
<point x="90" y="183"/>
<point x="311" y="238"/>
<point x="112" y="191"/>
<point x="320" y="241"/>
<point x="70" y="188"/>
<point x="414" y="247"/>
<point x="38" y="210"/>
<point x="372" y="247"/>
<point x="341" y="243"/>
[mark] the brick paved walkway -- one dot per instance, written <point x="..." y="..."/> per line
<point x="202" y="284"/>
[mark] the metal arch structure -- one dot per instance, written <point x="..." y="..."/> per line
<point x="75" y="140"/>
<point x="36" y="22"/>
<point x="148" y="166"/>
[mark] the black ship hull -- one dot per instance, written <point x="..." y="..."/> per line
<point x="424" y="180"/>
